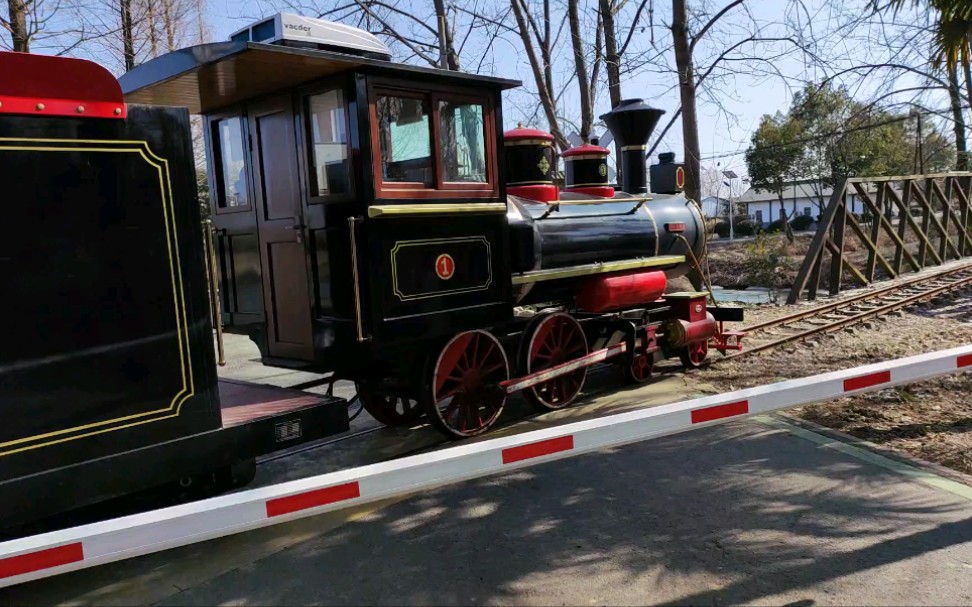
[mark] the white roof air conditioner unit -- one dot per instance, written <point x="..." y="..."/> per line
<point x="294" y="30"/>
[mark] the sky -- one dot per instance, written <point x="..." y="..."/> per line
<point x="759" y="78"/>
<point x="724" y="129"/>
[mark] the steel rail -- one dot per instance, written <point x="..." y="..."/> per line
<point x="819" y="310"/>
<point x="930" y="293"/>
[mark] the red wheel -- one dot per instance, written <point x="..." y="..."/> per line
<point x="387" y="408"/>
<point x="639" y="371"/>
<point x="462" y="392"/>
<point x="694" y="354"/>
<point x="643" y="363"/>
<point x="552" y="340"/>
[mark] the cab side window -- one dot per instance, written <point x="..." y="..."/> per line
<point x="229" y="163"/>
<point x="330" y="172"/>
<point x="405" y="140"/>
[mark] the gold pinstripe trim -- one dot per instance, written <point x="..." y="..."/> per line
<point x="544" y="142"/>
<point x="403" y="244"/>
<point x="175" y="268"/>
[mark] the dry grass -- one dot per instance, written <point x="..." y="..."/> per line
<point x="930" y="420"/>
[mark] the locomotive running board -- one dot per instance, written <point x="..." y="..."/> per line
<point x="597" y="356"/>
<point x="57" y="552"/>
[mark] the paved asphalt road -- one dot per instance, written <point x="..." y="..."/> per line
<point x="755" y="512"/>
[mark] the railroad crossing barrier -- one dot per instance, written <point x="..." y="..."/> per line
<point x="85" y="546"/>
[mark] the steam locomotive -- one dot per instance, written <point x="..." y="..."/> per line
<point x="368" y="219"/>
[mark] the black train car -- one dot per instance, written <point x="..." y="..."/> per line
<point x="107" y="376"/>
<point x="364" y="228"/>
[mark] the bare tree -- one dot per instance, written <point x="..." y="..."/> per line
<point x="584" y="84"/>
<point x="41" y="26"/>
<point x="127" y="33"/>
<point x="542" y="74"/>
<point x="16" y="24"/>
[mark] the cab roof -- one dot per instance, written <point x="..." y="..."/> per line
<point x="208" y="77"/>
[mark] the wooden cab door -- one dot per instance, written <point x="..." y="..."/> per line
<point x="281" y="232"/>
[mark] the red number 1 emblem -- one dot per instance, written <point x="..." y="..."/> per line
<point x="445" y="267"/>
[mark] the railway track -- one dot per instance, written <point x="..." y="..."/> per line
<point x="837" y="315"/>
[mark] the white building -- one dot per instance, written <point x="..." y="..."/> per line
<point x="799" y="198"/>
<point x="714" y="206"/>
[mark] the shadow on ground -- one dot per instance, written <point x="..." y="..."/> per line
<point x="731" y="515"/>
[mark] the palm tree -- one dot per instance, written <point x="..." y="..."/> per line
<point x="953" y="30"/>
<point x="952" y="46"/>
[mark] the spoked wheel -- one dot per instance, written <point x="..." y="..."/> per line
<point x="643" y="360"/>
<point x="694" y="354"/>
<point x="639" y="371"/>
<point x="388" y="408"/>
<point x="462" y="392"/>
<point x="553" y="339"/>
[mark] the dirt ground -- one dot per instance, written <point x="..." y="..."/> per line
<point x="742" y="264"/>
<point x="931" y="420"/>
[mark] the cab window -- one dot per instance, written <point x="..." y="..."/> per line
<point x="405" y="142"/>
<point x="463" y="150"/>
<point x="432" y="141"/>
<point x="330" y="171"/>
<point x="230" y="163"/>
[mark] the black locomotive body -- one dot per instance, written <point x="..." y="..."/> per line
<point x="370" y="219"/>
<point x="373" y="220"/>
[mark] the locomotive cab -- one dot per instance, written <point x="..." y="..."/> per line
<point x="357" y="203"/>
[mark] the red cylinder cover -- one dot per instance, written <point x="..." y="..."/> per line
<point x="541" y="192"/>
<point x="601" y="191"/>
<point x="618" y="291"/>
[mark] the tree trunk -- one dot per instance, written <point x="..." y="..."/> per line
<point x="787" y="230"/>
<point x="545" y="50"/>
<point x="611" y="52"/>
<point x="152" y="26"/>
<point x="686" y="88"/>
<point x="447" y="52"/>
<point x="546" y="96"/>
<point x="18" y="26"/>
<point x="169" y="19"/>
<point x="201" y="21"/>
<point x="967" y="67"/>
<point x="128" y="39"/>
<point x="613" y="60"/>
<point x="961" y="152"/>
<point x="580" y="65"/>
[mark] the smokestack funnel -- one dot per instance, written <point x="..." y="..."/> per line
<point x="632" y="122"/>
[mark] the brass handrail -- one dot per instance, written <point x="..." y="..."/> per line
<point x="354" y="275"/>
<point x="213" y="279"/>
<point x="555" y="205"/>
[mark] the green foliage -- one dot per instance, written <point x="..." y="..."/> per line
<point x="801" y="222"/>
<point x="773" y="154"/>
<point x="826" y="136"/>
<point x="953" y="28"/>
<point x="766" y="263"/>
<point x="775" y="226"/>
<point x="741" y="226"/>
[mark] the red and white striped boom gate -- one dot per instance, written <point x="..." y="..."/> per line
<point x="104" y="542"/>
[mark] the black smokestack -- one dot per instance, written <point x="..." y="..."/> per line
<point x="632" y="122"/>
